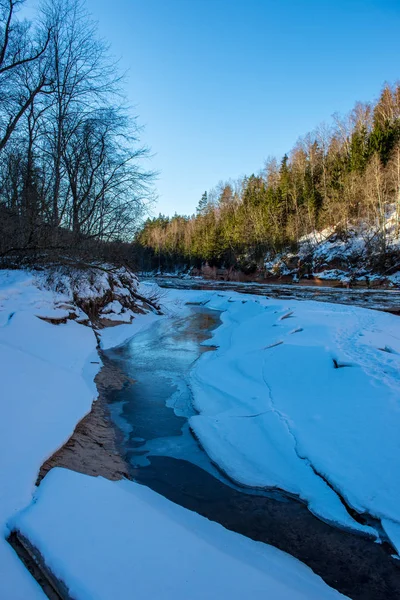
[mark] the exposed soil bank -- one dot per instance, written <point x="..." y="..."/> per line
<point x="92" y="448"/>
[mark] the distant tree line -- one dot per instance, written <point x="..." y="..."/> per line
<point x="70" y="174"/>
<point x="339" y="175"/>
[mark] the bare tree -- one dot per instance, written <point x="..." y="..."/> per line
<point x="69" y="153"/>
<point x="107" y="186"/>
<point x="22" y="68"/>
<point x="83" y="76"/>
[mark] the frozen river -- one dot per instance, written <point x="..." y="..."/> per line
<point x="151" y="414"/>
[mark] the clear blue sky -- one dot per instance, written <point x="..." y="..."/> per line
<point x="222" y="84"/>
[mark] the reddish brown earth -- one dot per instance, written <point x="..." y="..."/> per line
<point x="92" y="448"/>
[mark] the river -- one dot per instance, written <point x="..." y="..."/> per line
<point x="151" y="415"/>
<point x="378" y="298"/>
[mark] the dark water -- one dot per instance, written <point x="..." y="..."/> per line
<point x="151" y="414"/>
<point x="379" y="299"/>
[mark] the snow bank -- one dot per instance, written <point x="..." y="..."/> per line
<point x="47" y="383"/>
<point x="305" y="397"/>
<point x="46" y="388"/>
<point x="115" y="540"/>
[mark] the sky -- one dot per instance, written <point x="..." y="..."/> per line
<point x="221" y="85"/>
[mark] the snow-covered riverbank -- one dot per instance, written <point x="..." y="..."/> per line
<point x="47" y="384"/>
<point x="304" y="396"/>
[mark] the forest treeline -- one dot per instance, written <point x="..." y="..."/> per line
<point x="340" y="175"/>
<point x="70" y="174"/>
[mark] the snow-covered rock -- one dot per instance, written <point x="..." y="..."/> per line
<point x="346" y="255"/>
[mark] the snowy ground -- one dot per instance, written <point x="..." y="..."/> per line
<point x="134" y="543"/>
<point x="46" y="388"/>
<point x="91" y="531"/>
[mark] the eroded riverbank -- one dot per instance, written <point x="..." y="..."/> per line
<point x="92" y="449"/>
